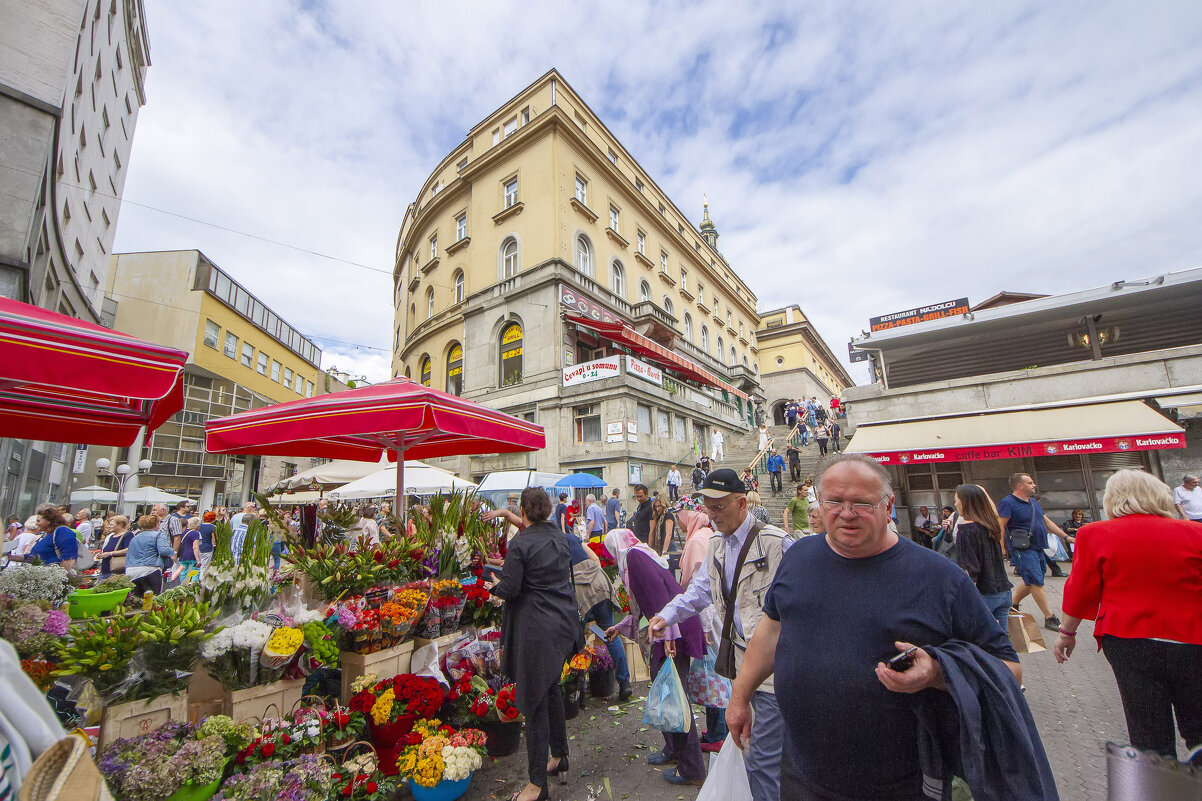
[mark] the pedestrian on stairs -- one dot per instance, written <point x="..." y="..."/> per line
<point x="717" y="446"/>
<point x="776" y="469"/>
<point x="836" y="431"/>
<point x="698" y="476"/>
<point x="763" y="441"/>
<point x="822" y="434"/>
<point x="793" y="457"/>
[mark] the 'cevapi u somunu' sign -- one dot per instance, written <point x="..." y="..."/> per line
<point x="595" y="370"/>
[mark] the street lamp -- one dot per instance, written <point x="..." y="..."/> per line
<point x="123" y="474"/>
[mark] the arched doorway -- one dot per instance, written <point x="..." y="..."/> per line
<point x="778" y="413"/>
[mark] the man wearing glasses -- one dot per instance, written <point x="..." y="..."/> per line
<point x="742" y="559"/>
<point x="842" y="605"/>
<point x="1188" y="499"/>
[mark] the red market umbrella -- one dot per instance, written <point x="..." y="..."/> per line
<point x="66" y="380"/>
<point x="400" y="418"/>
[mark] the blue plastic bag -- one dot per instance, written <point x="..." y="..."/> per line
<point x="667" y="705"/>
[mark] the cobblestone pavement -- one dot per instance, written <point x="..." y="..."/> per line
<point x="1076" y="706"/>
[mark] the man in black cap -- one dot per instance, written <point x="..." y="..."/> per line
<point x="742" y="558"/>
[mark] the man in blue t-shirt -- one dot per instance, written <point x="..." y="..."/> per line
<point x="840" y="606"/>
<point x="561" y="512"/>
<point x="1020" y="511"/>
<point x="613" y="508"/>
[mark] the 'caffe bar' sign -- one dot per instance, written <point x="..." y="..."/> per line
<point x="595" y="370"/>
<point x="1142" y="442"/>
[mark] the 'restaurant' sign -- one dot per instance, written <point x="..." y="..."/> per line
<point x="922" y="314"/>
<point x="595" y="370"/>
<point x="1147" y="442"/>
<point x="644" y="371"/>
<point x="580" y="304"/>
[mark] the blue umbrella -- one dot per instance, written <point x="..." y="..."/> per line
<point x="581" y="480"/>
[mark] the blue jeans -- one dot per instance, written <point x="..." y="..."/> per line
<point x="715" y="725"/>
<point x="603" y="614"/>
<point x="277" y="550"/>
<point x="999" y="605"/>
<point x="674" y="492"/>
<point x="1031" y="564"/>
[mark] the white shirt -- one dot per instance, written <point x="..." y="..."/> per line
<point x="1190" y="501"/>
<point x="85" y="530"/>
<point x="716" y="438"/>
<point x="674" y="476"/>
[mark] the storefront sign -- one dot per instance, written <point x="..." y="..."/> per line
<point x="581" y="305"/>
<point x="595" y="370"/>
<point x="614" y="428"/>
<point x="81" y="459"/>
<point x="856" y="355"/>
<point x="922" y="314"/>
<point x="644" y="371"/>
<point x="1149" y="442"/>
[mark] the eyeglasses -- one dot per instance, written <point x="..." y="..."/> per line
<point x="861" y="509"/>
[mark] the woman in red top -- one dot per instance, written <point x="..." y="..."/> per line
<point x="1139" y="574"/>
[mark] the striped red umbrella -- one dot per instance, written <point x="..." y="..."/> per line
<point x="66" y="380"/>
<point x="400" y="417"/>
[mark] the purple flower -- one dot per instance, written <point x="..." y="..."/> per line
<point x="57" y="623"/>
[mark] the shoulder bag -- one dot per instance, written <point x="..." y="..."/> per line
<point x="1020" y="538"/>
<point x="724" y="663"/>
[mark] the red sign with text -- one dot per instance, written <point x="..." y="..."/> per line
<point x="1071" y="447"/>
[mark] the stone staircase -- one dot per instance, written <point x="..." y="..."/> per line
<point x="742" y="449"/>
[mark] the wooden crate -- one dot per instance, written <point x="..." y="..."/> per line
<point x="121" y="721"/>
<point x="253" y="701"/>
<point x="386" y="663"/>
<point x="444" y="642"/>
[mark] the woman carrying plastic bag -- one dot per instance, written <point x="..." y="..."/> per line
<point x="650" y="586"/>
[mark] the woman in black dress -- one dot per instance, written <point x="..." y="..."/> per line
<point x="539" y="632"/>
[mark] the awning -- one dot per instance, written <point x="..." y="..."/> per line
<point x="1062" y="430"/>
<point x="624" y="334"/>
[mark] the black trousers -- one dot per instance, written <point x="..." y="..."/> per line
<point x="795" y="471"/>
<point x="776" y="481"/>
<point x="546" y="729"/>
<point x="822" y="446"/>
<point x="151" y="582"/>
<point x="1156" y="680"/>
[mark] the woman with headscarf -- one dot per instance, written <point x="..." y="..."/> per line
<point x="649" y="586"/>
<point x="540" y="631"/>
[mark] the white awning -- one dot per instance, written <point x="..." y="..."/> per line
<point x="1063" y="430"/>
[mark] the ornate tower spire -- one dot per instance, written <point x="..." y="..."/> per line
<point x="707" y="225"/>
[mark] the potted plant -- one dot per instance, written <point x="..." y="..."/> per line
<point x="438" y="761"/>
<point x="392" y="707"/>
<point x="601" y="679"/>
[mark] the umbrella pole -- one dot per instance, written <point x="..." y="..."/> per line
<point x="399" y="500"/>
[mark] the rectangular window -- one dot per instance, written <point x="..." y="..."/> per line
<point x="308" y="389"/>
<point x="588" y="424"/>
<point x="462" y="165"/>
<point x="638" y="184"/>
<point x="526" y="116"/>
<point x="663" y="262"/>
<point x="300" y="384"/>
<point x="288" y="377"/>
<point x="613" y="157"/>
<point x="644" y="418"/>
<point x="511" y="127"/>
<point x="511" y="192"/>
<point x="275" y="371"/>
<point x="678" y="428"/>
<point x="460" y="227"/>
<point x="434" y="247"/>
<point x="642" y="243"/>
<point x="231" y="345"/>
<point x="262" y="366"/>
<point x="212" y="332"/>
<point x="613" y="218"/>
<point x="248" y="355"/>
<point x="684" y="279"/>
<point x="582" y="190"/>
<point x="496" y="136"/>
<point x="663" y="212"/>
<point x="661" y="424"/>
<point x="700" y="295"/>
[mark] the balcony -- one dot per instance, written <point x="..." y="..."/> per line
<point x="743" y="377"/>
<point x="647" y="311"/>
<point x="642" y="259"/>
<point x="430" y="265"/>
<point x="667" y="279"/>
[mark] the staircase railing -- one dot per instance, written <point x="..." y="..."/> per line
<point x="691" y="453"/>
<point x="759" y="463"/>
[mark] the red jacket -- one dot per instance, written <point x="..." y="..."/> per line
<point x="1139" y="576"/>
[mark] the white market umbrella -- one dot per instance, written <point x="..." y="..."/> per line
<point x="93" y="494"/>
<point x="339" y="471"/>
<point x="420" y="479"/>
<point x="151" y="495"/>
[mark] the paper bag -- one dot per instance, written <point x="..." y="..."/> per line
<point x="1024" y="633"/>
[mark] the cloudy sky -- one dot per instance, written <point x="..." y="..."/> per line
<point x="859" y="158"/>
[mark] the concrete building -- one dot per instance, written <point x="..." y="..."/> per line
<point x="243" y="356"/>
<point x="72" y="78"/>
<point x="1067" y="388"/>
<point x="796" y="362"/>
<point x="542" y="271"/>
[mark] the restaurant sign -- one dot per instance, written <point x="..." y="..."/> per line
<point x="1145" y="442"/>
<point x="644" y="371"/>
<point x="595" y="370"/>
<point x="579" y="304"/>
<point x="922" y="314"/>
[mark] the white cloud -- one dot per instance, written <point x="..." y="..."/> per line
<point x="858" y="158"/>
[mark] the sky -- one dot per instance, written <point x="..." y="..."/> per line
<point x="859" y="158"/>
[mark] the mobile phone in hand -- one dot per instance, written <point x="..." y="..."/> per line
<point x="490" y="572"/>
<point x="903" y="661"/>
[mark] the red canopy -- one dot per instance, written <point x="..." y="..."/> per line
<point x="624" y="334"/>
<point x="400" y="417"/>
<point x="66" y="380"/>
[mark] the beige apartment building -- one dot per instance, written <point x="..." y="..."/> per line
<point x="543" y="272"/>
<point x="797" y="362"/>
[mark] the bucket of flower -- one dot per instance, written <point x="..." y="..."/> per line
<point x="392" y="706"/>
<point x="177" y="762"/>
<point x="601" y="679"/>
<point x="345" y="727"/>
<point x="572" y="679"/>
<point x="359" y="777"/>
<point x="106" y="596"/>
<point x="497" y="716"/>
<point x="438" y="761"/>
<point x="480" y="608"/>
<point x="448" y="598"/>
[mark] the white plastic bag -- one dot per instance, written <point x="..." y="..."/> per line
<point x="727" y="779"/>
<point x="668" y="706"/>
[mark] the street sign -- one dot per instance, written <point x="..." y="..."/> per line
<point x="81" y="459"/>
<point x="921" y="314"/>
<point x="856" y="355"/>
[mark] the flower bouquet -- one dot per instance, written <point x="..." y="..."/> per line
<point x="321" y="647"/>
<point x="436" y="755"/>
<point x="344" y="568"/>
<point x="32" y="627"/>
<point x="308" y="777"/>
<point x="448" y="597"/>
<point x="480" y="609"/>
<point x="173" y="758"/>
<point x="279" y="651"/>
<point x="174" y="634"/>
<point x="40" y="671"/>
<point x="345" y="727"/>
<point x="392" y="707"/>
<point x="601" y="671"/>
<point x="100" y="649"/>
<point x="36" y="583"/>
<point x="360" y="779"/>
<point x="232" y="655"/>
<point x="243" y="582"/>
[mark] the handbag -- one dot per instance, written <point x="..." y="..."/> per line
<point x="1020" y="539"/>
<point x="65" y="772"/>
<point x="1024" y="633"/>
<point x="116" y="564"/>
<point x="704" y="685"/>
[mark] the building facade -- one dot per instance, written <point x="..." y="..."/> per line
<point x="1067" y="388"/>
<point x="796" y="362"/>
<point x="542" y="272"/>
<point x="243" y="356"/>
<point x="72" y="76"/>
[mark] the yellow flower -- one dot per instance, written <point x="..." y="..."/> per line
<point x="382" y="708"/>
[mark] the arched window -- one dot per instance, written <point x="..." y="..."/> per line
<point x="705" y="338"/>
<point x="755" y="366"/>
<point x="457" y="282"/>
<point x="744" y="359"/>
<point x="412" y="314"/>
<point x="617" y="279"/>
<point x="668" y="307"/>
<point x="509" y="258"/>
<point x="408" y="372"/>
<point x="511" y="354"/>
<point x="455" y="369"/>
<point x="644" y="291"/>
<point x="584" y="255"/>
<point x="688" y="326"/>
<point x="721" y="348"/>
<point x="425" y="371"/>
<point x="734" y="358"/>
<point x="429" y="302"/>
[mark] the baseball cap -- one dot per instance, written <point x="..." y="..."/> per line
<point x="722" y="482"/>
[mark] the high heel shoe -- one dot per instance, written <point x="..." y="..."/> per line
<point x="542" y="795"/>
<point x="561" y="770"/>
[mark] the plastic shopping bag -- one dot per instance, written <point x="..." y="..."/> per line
<point x="667" y="705"/>
<point x="727" y="779"/>
<point x="704" y="685"/>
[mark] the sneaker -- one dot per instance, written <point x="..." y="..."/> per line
<point x="1052" y="623"/>
<point x="671" y="776"/>
<point x="660" y="758"/>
